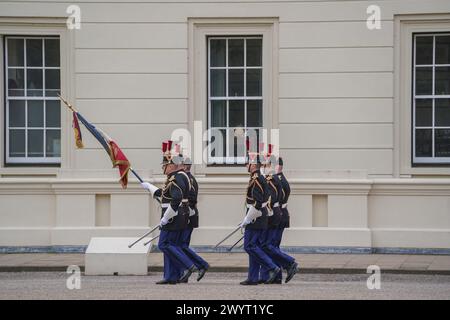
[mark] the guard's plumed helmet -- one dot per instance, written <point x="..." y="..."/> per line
<point x="187" y="161"/>
<point x="251" y="157"/>
<point x="269" y="157"/>
<point x="169" y="156"/>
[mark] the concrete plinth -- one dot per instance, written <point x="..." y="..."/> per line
<point x="110" y="256"/>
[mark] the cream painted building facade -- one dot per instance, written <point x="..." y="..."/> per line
<point x="363" y="116"/>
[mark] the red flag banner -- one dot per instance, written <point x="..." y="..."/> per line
<point x="119" y="159"/>
<point x="76" y="129"/>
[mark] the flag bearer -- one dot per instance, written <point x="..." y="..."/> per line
<point x="174" y="217"/>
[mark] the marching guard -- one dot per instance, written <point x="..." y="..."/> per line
<point x="174" y="217"/>
<point x="255" y="222"/>
<point x="186" y="234"/>
<point x="271" y="237"/>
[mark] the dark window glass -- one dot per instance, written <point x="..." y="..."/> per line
<point x="235" y="52"/>
<point x="52" y="113"/>
<point x="237" y="113"/>
<point x="15" y="52"/>
<point x="16" y="143"/>
<point x="442" y="50"/>
<point x="16" y="80"/>
<point x="217" y="52"/>
<point x="218" y="113"/>
<point x="34" y="52"/>
<point x="424" y="112"/>
<point x="424" y="81"/>
<point x="17" y="113"/>
<point x="442" y="81"/>
<point x="218" y="83"/>
<point x="423" y="143"/>
<point x="34" y="82"/>
<point x="236" y="82"/>
<point x="424" y="50"/>
<point x="52" y="53"/>
<point x="35" y="143"/>
<point x="254" y="82"/>
<point x="254" y="113"/>
<point x="442" y="143"/>
<point x="53" y="143"/>
<point x="442" y="110"/>
<point x="254" y="52"/>
<point x="35" y="113"/>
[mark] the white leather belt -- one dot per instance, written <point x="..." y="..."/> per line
<point x="284" y="206"/>
<point x="166" y="205"/>
<point x="263" y="205"/>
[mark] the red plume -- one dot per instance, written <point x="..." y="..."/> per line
<point x="164" y="147"/>
<point x="169" y="145"/>
<point x="247" y="143"/>
<point x="270" y="148"/>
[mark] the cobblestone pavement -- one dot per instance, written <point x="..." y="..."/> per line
<point x="218" y="286"/>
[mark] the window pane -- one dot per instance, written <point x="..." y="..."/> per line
<point x="16" y="113"/>
<point x="442" y="81"/>
<point x="442" y="50"/>
<point x="254" y="82"/>
<point x="51" y="52"/>
<point x="218" y="142"/>
<point x="442" y="110"/>
<point x="217" y="51"/>
<point x="15" y="52"/>
<point x="424" y="112"/>
<point x="423" y="81"/>
<point x="237" y="113"/>
<point x="236" y="82"/>
<point x="34" y="82"/>
<point x="254" y="52"/>
<point x="53" y="143"/>
<point x="442" y="140"/>
<point x="35" y="143"/>
<point x="424" y="50"/>
<point x="218" y="83"/>
<point x="254" y="113"/>
<point x="423" y="143"/>
<point x="52" y="113"/>
<point x="254" y="138"/>
<point x="236" y="142"/>
<point x="34" y="52"/>
<point x="35" y="113"/>
<point x="236" y="52"/>
<point x="218" y="113"/>
<point x="17" y="143"/>
<point x="16" y="82"/>
<point x="52" y="82"/>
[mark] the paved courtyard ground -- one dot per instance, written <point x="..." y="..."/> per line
<point x="218" y="286"/>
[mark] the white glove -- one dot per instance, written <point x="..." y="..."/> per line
<point x="252" y="214"/>
<point x="276" y="204"/>
<point x="150" y="187"/>
<point x="191" y="212"/>
<point x="269" y="212"/>
<point x="168" y="214"/>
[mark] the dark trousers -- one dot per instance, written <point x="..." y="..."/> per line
<point x="185" y="241"/>
<point x="271" y="240"/>
<point x="174" y="257"/>
<point x="257" y="257"/>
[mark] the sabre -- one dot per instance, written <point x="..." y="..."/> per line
<point x="156" y="237"/>
<point x="146" y="234"/>
<point x="228" y="236"/>
<point x="235" y="244"/>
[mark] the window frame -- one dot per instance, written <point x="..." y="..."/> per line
<point x="405" y="27"/>
<point x="28" y="160"/>
<point x="42" y="26"/>
<point x="199" y="30"/>
<point x="228" y="159"/>
<point x="433" y="159"/>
